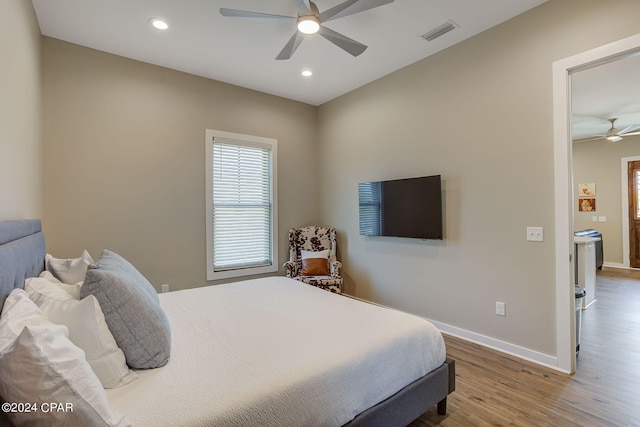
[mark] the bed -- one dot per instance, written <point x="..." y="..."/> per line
<point x="269" y="352"/>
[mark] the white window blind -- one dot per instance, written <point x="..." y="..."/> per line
<point x="242" y="206"/>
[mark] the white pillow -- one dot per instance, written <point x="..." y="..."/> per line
<point x="70" y="270"/>
<point x="41" y="366"/>
<point x="314" y="254"/>
<point x="87" y="329"/>
<point x="73" y="290"/>
<point x="13" y="320"/>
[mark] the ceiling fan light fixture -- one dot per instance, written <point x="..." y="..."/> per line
<point x="612" y="134"/>
<point x="308" y="24"/>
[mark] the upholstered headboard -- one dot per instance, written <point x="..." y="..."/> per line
<point x="21" y="254"/>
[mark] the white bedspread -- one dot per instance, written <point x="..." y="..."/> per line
<point x="274" y="352"/>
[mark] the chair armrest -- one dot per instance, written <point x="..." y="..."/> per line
<point x="334" y="268"/>
<point x="291" y="268"/>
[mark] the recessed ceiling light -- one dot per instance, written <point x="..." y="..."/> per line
<point x="158" y="23"/>
<point x="307" y="73"/>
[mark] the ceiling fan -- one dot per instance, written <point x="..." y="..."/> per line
<point x="311" y="21"/>
<point x="613" y="134"/>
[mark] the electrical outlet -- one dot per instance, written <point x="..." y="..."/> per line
<point x="165" y="288"/>
<point x="535" y="234"/>
<point x="501" y="308"/>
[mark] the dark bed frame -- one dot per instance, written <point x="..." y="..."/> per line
<point x="22" y="251"/>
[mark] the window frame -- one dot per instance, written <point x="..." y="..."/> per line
<point x="252" y="141"/>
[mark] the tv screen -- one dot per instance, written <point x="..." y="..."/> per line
<point x="410" y="207"/>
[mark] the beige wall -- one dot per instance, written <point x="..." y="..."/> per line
<point x="599" y="162"/>
<point x="20" y="112"/>
<point x="480" y="114"/>
<point x="124" y="159"/>
<point x="124" y="166"/>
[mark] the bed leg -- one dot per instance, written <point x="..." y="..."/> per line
<point x="442" y="407"/>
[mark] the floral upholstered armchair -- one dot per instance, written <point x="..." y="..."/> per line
<point x="312" y="258"/>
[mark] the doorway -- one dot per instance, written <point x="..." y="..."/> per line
<point x="626" y="213"/>
<point x="563" y="182"/>
<point x="633" y="217"/>
<point x="605" y="123"/>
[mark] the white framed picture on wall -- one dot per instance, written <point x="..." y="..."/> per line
<point x="587" y="189"/>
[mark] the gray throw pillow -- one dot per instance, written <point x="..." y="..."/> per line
<point x="131" y="309"/>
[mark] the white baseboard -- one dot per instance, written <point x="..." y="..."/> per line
<point x="499" y="345"/>
<point x="495" y="344"/>
<point x="616" y="265"/>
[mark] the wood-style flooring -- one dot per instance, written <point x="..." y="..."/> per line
<point x="495" y="389"/>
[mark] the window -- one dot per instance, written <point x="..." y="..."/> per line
<point x="241" y="205"/>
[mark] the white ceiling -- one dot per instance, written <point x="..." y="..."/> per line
<point x="606" y="91"/>
<point x="200" y="41"/>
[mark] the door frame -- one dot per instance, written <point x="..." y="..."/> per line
<point x="624" y="179"/>
<point x="563" y="183"/>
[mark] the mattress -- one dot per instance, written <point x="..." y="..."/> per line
<point x="275" y="352"/>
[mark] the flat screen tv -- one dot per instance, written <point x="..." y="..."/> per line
<point x="410" y="207"/>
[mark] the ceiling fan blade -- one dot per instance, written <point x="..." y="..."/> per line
<point x="304" y="7"/>
<point x="631" y="133"/>
<point x="343" y="42"/>
<point x="291" y="46"/>
<point x="590" y="138"/>
<point x="630" y="128"/>
<point x="350" y="7"/>
<point x="258" y="16"/>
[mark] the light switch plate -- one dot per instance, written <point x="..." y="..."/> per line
<point x="535" y="234"/>
<point x="602" y="218"/>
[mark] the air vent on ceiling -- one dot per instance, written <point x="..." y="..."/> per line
<point x="439" y="31"/>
